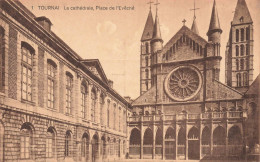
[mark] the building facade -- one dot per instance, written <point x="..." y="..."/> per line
<point x="188" y="113"/>
<point x="54" y="105"/>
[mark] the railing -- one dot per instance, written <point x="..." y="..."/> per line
<point x="184" y="116"/>
<point x="181" y="150"/>
<point x="234" y="114"/>
<point x="205" y="150"/>
<point x="148" y="149"/>
<point x="193" y="116"/>
<point x="134" y="118"/>
<point x="217" y="115"/>
<point x="147" y="118"/>
<point x="169" y="117"/>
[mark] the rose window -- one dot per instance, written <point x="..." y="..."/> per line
<point x="183" y="83"/>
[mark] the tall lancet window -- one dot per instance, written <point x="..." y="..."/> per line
<point x="2" y="59"/>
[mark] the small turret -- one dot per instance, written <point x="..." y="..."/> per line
<point x="194" y="27"/>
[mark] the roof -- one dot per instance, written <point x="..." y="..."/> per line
<point x="254" y="87"/>
<point x="147" y="98"/>
<point x="242" y="12"/>
<point x="214" y="21"/>
<point x="194" y="27"/>
<point x="148" y="29"/>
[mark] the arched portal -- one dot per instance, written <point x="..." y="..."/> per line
<point x="193" y="144"/>
<point x="235" y="145"/>
<point x="135" y="142"/>
<point x="205" y="141"/>
<point x="148" y="144"/>
<point x="158" y="144"/>
<point x="181" y="144"/>
<point x="170" y="151"/>
<point x="219" y="141"/>
<point x="95" y="148"/>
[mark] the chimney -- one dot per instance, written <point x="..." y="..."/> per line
<point x="44" y="22"/>
<point x="110" y="83"/>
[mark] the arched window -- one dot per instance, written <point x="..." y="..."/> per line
<point x="2" y="58"/>
<point x="120" y="118"/>
<point x="242" y="49"/>
<point x="237" y="35"/>
<point x="237" y="50"/>
<point x="238" y="80"/>
<point x="93" y="104"/>
<point x="68" y="144"/>
<point x="245" y="79"/>
<point x="69" y="80"/>
<point x="242" y="34"/>
<point x="114" y="111"/>
<point x="247" y="33"/>
<point x="51" y="71"/>
<point x="27" y="67"/>
<point x="26" y="141"/>
<point x="247" y="49"/>
<point x="102" y="103"/>
<point x="237" y="64"/>
<point x="124" y="121"/>
<point x="146" y="61"/>
<point x="50" y="142"/>
<point x="242" y="63"/>
<point x="83" y="90"/>
<point x="146" y="73"/>
<point x="147" y="47"/>
<point x="247" y="63"/>
<point x="108" y="113"/>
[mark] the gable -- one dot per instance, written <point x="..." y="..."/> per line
<point x="95" y="67"/>
<point x="184" y="45"/>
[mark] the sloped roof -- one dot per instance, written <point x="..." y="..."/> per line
<point x="156" y="29"/>
<point x="254" y="87"/>
<point x="147" y="98"/>
<point x="194" y="27"/>
<point x="148" y="29"/>
<point x="184" y="30"/>
<point x="242" y="11"/>
<point x="95" y="67"/>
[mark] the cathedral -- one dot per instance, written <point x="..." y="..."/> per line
<point x="184" y="112"/>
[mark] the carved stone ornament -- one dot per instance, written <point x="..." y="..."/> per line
<point x="183" y="83"/>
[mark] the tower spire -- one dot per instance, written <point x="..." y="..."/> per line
<point x="214" y="21"/>
<point x="194" y="27"/>
<point x="242" y="14"/>
<point x="156" y="29"/>
<point x="148" y="28"/>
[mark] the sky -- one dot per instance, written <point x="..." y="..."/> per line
<point x="113" y="36"/>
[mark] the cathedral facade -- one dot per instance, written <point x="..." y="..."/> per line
<point x="184" y="111"/>
<point x="54" y="105"/>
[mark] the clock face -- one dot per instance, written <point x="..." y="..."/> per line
<point x="183" y="83"/>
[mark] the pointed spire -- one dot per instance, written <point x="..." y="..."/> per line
<point x="194" y="27"/>
<point x="242" y="14"/>
<point x="214" y="21"/>
<point x="156" y="29"/>
<point x="148" y="29"/>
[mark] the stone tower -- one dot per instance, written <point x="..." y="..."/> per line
<point x="239" y="50"/>
<point x="145" y="56"/>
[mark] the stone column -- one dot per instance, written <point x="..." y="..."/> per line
<point x="200" y="136"/>
<point x="142" y="138"/>
<point x="163" y="144"/>
<point x="227" y="153"/>
<point x="154" y="137"/>
<point x="90" y="86"/>
<point x="211" y="138"/>
<point x="186" y="145"/>
<point x="176" y="140"/>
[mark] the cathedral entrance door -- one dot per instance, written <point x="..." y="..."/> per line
<point x="95" y="148"/>
<point x="194" y="150"/>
